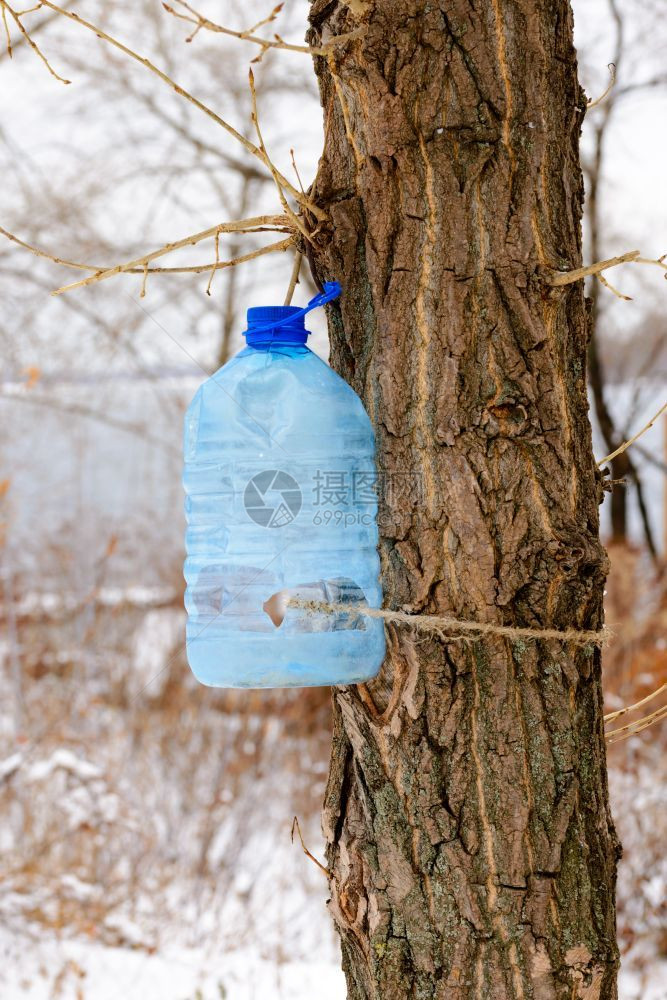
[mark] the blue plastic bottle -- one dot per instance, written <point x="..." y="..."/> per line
<point x="280" y="501"/>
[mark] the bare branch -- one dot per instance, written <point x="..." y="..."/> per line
<point x="632" y="728"/>
<point x="266" y="20"/>
<point x="607" y="284"/>
<point x="192" y="269"/>
<point x="199" y="21"/>
<point x="295" y="826"/>
<point x="296" y="170"/>
<point x="16" y="17"/>
<point x="626" y="444"/>
<point x="45" y="255"/>
<point x="306" y="202"/>
<point x="217" y="261"/>
<point x="612" y="80"/>
<point x="298" y="257"/>
<point x="222" y="264"/>
<point x="158" y="110"/>
<point x="242" y="226"/>
<point x="12" y="47"/>
<point x="612" y="716"/>
<point x="558" y="278"/>
<point x="274" y="172"/>
<point x="3" y="7"/>
<point x="658" y="262"/>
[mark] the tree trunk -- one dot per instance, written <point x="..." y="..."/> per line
<point x="470" y="843"/>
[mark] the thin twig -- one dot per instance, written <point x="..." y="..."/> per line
<point x="274" y="171"/>
<point x="193" y="269"/>
<point x="298" y="257"/>
<point x="217" y="261"/>
<point x="612" y="80"/>
<point x="45" y="255"/>
<point x="295" y="826"/>
<point x="222" y="264"/>
<point x="632" y="728"/>
<point x="612" y="716"/>
<point x="658" y="261"/>
<point x="42" y="23"/>
<point x="8" y="36"/>
<point x="296" y="170"/>
<point x="558" y="278"/>
<point x="265" y="43"/>
<point x="16" y="17"/>
<point x="635" y="437"/>
<point x="250" y="146"/>
<point x="241" y="226"/>
<point x="607" y="284"/>
<point x="266" y="20"/>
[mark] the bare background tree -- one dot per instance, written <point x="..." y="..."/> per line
<point x="631" y="78"/>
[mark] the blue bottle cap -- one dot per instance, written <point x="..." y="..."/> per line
<point x="285" y="324"/>
<point x="276" y="325"/>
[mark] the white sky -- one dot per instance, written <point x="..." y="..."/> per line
<point x="80" y="134"/>
<point x="89" y="187"/>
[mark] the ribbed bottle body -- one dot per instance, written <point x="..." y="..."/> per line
<point x="280" y="501"/>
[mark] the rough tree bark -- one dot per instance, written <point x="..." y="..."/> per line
<point x="470" y="842"/>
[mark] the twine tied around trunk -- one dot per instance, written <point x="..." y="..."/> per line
<point x="447" y="625"/>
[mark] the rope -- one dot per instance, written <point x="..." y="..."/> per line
<point x="437" y="623"/>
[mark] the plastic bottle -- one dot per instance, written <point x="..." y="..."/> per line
<point x="281" y="501"/>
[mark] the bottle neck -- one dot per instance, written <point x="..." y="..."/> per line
<point x="279" y="347"/>
<point x="281" y="337"/>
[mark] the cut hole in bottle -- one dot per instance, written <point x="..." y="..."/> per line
<point x="338" y="591"/>
<point x="276" y="607"/>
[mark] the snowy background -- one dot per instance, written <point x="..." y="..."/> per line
<point x="145" y="843"/>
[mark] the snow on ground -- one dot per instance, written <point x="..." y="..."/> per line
<point x="80" y="970"/>
<point x="650" y="984"/>
<point x="146" y="848"/>
<point x="42" y="969"/>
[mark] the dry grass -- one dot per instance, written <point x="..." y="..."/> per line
<point x="140" y="802"/>
<point x="635" y="664"/>
<point x="138" y="796"/>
